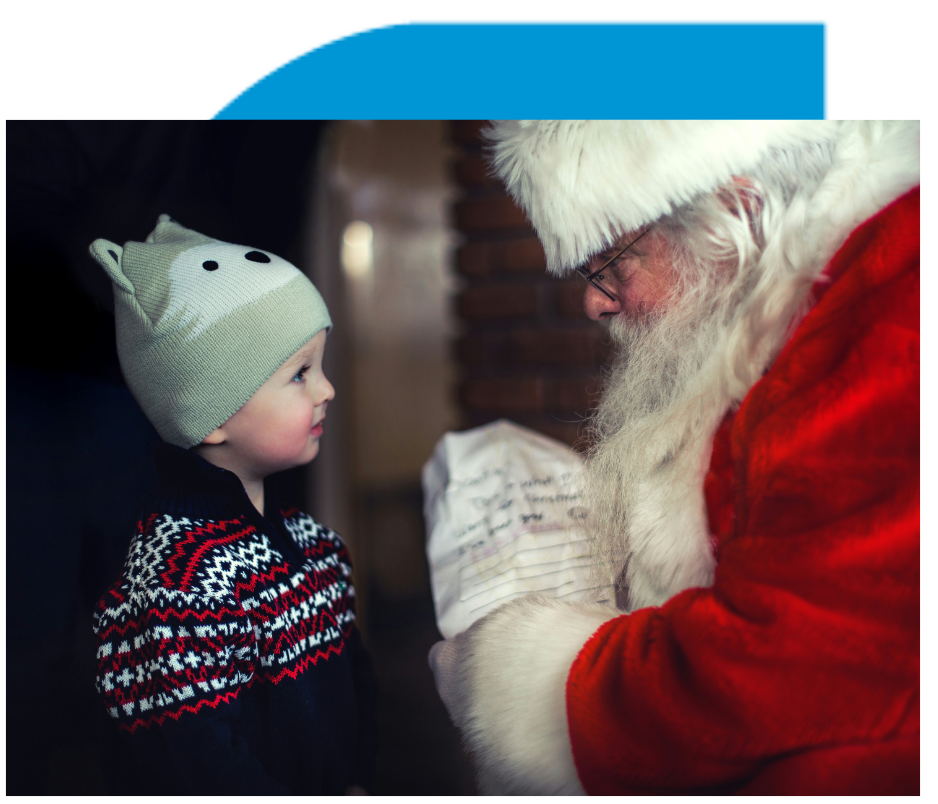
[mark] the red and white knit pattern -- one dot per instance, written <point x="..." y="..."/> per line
<point x="205" y="607"/>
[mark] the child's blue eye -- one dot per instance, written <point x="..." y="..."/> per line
<point x="301" y="374"/>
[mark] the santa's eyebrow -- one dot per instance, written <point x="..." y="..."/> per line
<point x="635" y="238"/>
<point x="615" y="252"/>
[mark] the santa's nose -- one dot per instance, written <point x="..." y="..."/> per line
<point x="598" y="305"/>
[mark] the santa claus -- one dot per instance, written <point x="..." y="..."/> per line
<point x="753" y="474"/>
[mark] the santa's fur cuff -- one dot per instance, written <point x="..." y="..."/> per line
<point x="511" y="699"/>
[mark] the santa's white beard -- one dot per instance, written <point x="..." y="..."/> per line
<point x="652" y="437"/>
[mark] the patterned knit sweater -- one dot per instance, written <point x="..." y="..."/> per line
<point x="227" y="651"/>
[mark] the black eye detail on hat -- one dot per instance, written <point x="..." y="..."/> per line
<point x="256" y="256"/>
<point x="210" y="265"/>
<point x="113" y="255"/>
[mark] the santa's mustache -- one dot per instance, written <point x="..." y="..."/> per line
<point x="664" y="398"/>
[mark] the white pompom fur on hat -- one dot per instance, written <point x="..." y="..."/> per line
<point x="582" y="183"/>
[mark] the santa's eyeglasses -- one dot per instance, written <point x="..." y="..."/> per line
<point x="597" y="277"/>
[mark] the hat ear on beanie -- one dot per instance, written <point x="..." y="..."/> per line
<point x="109" y="256"/>
<point x="154" y="235"/>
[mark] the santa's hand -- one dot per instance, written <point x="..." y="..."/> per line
<point x="443" y="660"/>
<point x="448" y="662"/>
<point x="503" y="682"/>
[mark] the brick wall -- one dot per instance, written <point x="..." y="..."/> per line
<point x="525" y="351"/>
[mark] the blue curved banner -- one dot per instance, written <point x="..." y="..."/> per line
<point x="471" y="71"/>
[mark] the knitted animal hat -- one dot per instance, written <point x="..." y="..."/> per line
<point x="202" y="324"/>
<point x="584" y="182"/>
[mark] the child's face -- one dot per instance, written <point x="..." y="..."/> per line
<point x="280" y="426"/>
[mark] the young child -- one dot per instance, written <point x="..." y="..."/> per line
<point x="227" y="651"/>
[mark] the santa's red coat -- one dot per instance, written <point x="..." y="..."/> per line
<point x="798" y="670"/>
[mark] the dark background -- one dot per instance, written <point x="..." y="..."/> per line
<point x="78" y="447"/>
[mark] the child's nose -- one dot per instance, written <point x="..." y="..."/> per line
<point x="326" y="393"/>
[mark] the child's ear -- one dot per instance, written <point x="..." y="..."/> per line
<point x="217" y="436"/>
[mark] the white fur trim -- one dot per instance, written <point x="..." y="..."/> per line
<point x="875" y="162"/>
<point x="584" y="182"/>
<point x="511" y="704"/>
<point x="670" y="535"/>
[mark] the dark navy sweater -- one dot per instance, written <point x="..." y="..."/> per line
<point x="227" y="651"/>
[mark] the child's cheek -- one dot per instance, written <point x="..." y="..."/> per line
<point x="300" y="431"/>
<point x="288" y="440"/>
